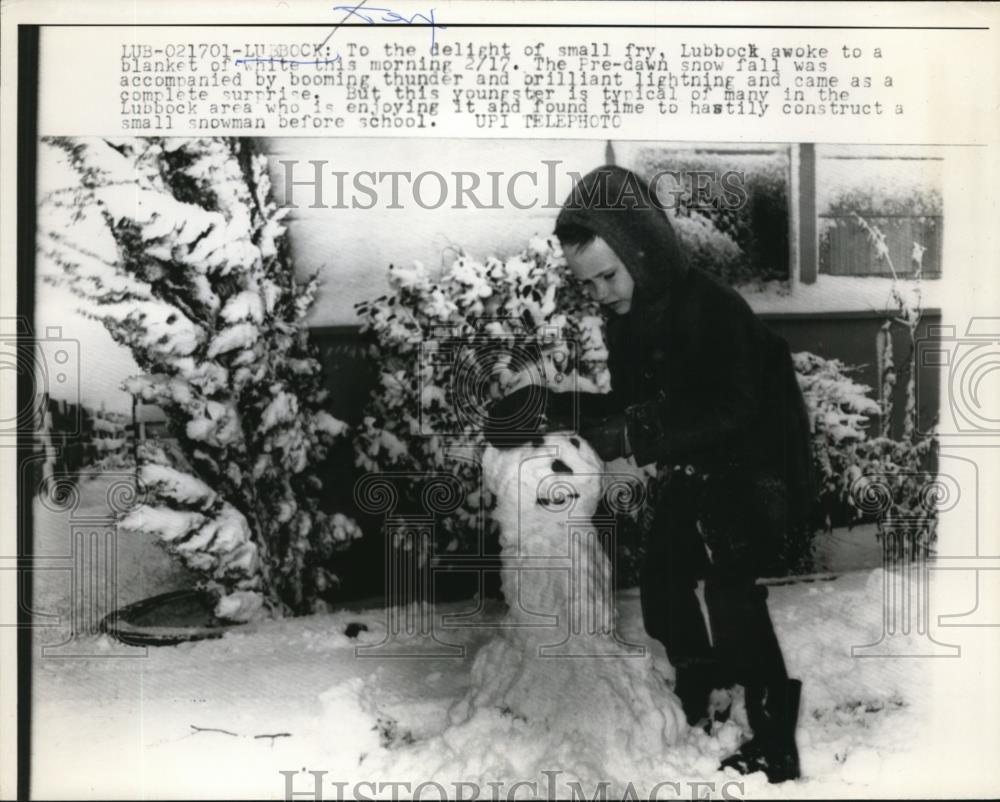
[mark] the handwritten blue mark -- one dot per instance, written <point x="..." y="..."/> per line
<point x="388" y="15"/>
<point x="272" y="60"/>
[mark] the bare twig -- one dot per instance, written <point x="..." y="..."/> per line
<point x="272" y="736"/>
<point x="213" y="729"/>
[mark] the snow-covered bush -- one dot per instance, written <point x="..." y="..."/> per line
<point x="448" y="345"/>
<point x="194" y="277"/>
<point x="861" y="475"/>
<point x="755" y="223"/>
<point x="839" y="411"/>
<point x="708" y="248"/>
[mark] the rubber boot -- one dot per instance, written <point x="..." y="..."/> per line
<point x="773" y="714"/>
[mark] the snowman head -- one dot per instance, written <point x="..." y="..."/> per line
<point x="553" y="473"/>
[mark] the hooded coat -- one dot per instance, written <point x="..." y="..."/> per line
<point x="700" y="379"/>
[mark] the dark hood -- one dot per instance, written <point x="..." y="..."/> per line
<point x="616" y="204"/>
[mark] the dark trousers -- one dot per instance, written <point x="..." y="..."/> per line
<point x="737" y="517"/>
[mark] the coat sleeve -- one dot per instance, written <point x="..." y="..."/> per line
<point x="727" y="404"/>
<point x="579" y="410"/>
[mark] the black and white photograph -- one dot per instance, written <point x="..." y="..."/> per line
<point x="527" y="453"/>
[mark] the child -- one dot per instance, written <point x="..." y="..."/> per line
<point x="700" y="384"/>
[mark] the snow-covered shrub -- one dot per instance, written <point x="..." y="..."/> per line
<point x="448" y="345"/>
<point x="839" y="411"/>
<point x="755" y="221"/>
<point x="194" y="277"/>
<point x="855" y="470"/>
<point x="917" y="197"/>
<point x="707" y="247"/>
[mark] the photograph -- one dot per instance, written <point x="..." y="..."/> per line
<point x="409" y="462"/>
<point x="414" y="450"/>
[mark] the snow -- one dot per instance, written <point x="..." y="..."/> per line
<point x="231" y="338"/>
<point x="223" y="718"/>
<point x="394" y="449"/>
<point x="230" y="529"/>
<point x="246" y="305"/>
<point x="167" y="331"/>
<point x="413" y="277"/>
<point x="241" y="605"/>
<point x="327" y="423"/>
<point x="432" y="394"/>
<point x="871" y="294"/>
<point x="839" y="406"/>
<point x="217" y="424"/>
<point x="859" y="732"/>
<point x="282" y="409"/>
<point x="165" y="523"/>
<point x="172" y="483"/>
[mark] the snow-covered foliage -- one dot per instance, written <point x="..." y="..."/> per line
<point x="733" y="225"/>
<point x="705" y="245"/>
<point x="875" y="476"/>
<point x="839" y="411"/>
<point x="869" y="475"/>
<point x="839" y="407"/>
<point x="448" y="345"/>
<point x="195" y="279"/>
<point x="897" y="477"/>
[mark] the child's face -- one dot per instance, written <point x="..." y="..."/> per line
<point x="603" y="275"/>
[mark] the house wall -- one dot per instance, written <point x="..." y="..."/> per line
<point x="852" y="338"/>
<point x="352" y="248"/>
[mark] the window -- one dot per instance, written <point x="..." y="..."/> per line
<point x="897" y="193"/>
<point x="729" y="204"/>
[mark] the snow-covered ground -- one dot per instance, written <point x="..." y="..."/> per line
<point x="223" y="719"/>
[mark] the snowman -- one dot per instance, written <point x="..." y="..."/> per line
<point x="557" y="662"/>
